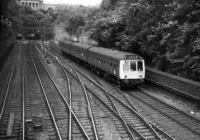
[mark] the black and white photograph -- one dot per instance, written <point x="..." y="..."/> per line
<point x="100" y="70"/>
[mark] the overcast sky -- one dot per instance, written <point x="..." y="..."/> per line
<point x="83" y="2"/>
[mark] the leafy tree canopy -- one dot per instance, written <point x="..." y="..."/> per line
<point x="165" y="32"/>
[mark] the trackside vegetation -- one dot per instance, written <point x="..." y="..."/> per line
<point x="165" y="32"/>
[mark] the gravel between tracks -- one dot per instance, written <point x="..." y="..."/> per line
<point x="109" y="129"/>
<point x="172" y="128"/>
<point x="176" y="101"/>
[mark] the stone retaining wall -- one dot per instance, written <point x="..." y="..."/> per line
<point x="178" y="84"/>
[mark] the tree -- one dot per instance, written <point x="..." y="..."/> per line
<point x="10" y="23"/>
<point x="74" y="18"/>
<point x="75" y="23"/>
<point x="167" y="31"/>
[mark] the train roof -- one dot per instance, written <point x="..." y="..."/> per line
<point x="115" y="54"/>
<point x="66" y="41"/>
<point x="84" y="46"/>
<point x="75" y="44"/>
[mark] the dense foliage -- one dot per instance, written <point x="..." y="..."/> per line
<point x="74" y="19"/>
<point x="15" y="17"/>
<point x="166" y="33"/>
<point x="41" y="22"/>
<point x="9" y="24"/>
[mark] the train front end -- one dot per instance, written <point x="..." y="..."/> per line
<point x="132" y="71"/>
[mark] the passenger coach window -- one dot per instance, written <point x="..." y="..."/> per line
<point x="133" y="66"/>
<point x="140" y="66"/>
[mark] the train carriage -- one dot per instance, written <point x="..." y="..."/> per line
<point x="126" y="69"/>
<point x="104" y="59"/>
<point x="80" y="51"/>
<point x="65" y="47"/>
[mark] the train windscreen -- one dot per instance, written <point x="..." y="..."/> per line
<point x="133" y="65"/>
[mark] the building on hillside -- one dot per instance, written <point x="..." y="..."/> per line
<point x="34" y="4"/>
<point x="53" y="6"/>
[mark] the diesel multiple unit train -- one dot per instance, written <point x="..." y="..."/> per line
<point x="125" y="69"/>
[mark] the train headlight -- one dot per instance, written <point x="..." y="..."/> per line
<point x="125" y="76"/>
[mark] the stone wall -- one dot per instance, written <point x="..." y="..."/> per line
<point x="177" y="84"/>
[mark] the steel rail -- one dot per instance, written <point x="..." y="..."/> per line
<point x="47" y="101"/>
<point x="89" y="104"/>
<point x="132" y="106"/>
<point x="65" y="101"/>
<point x="107" y="105"/>
<point x="23" y="104"/>
<point x="140" y="118"/>
<point x="102" y="88"/>
<point x="171" y="106"/>
<point x="23" y="98"/>
<point x="70" y="103"/>
<point x="148" y="125"/>
<point x="7" y="90"/>
<point x="180" y="123"/>
<point x="70" y="111"/>
<point x="134" y="111"/>
<point x="126" y="123"/>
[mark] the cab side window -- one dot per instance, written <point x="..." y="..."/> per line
<point x="140" y="66"/>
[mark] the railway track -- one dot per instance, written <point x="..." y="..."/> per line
<point x="130" y="116"/>
<point x="80" y="105"/>
<point x="82" y="108"/>
<point x="181" y="118"/>
<point x="137" y="96"/>
<point x="186" y="121"/>
<point x="78" y="127"/>
<point x="135" y="126"/>
<point x="92" y="112"/>
<point x="27" y="107"/>
<point x="76" y="115"/>
<point x="126" y="100"/>
<point x="39" y="120"/>
<point x="11" y="113"/>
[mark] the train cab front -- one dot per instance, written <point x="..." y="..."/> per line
<point x="132" y="73"/>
